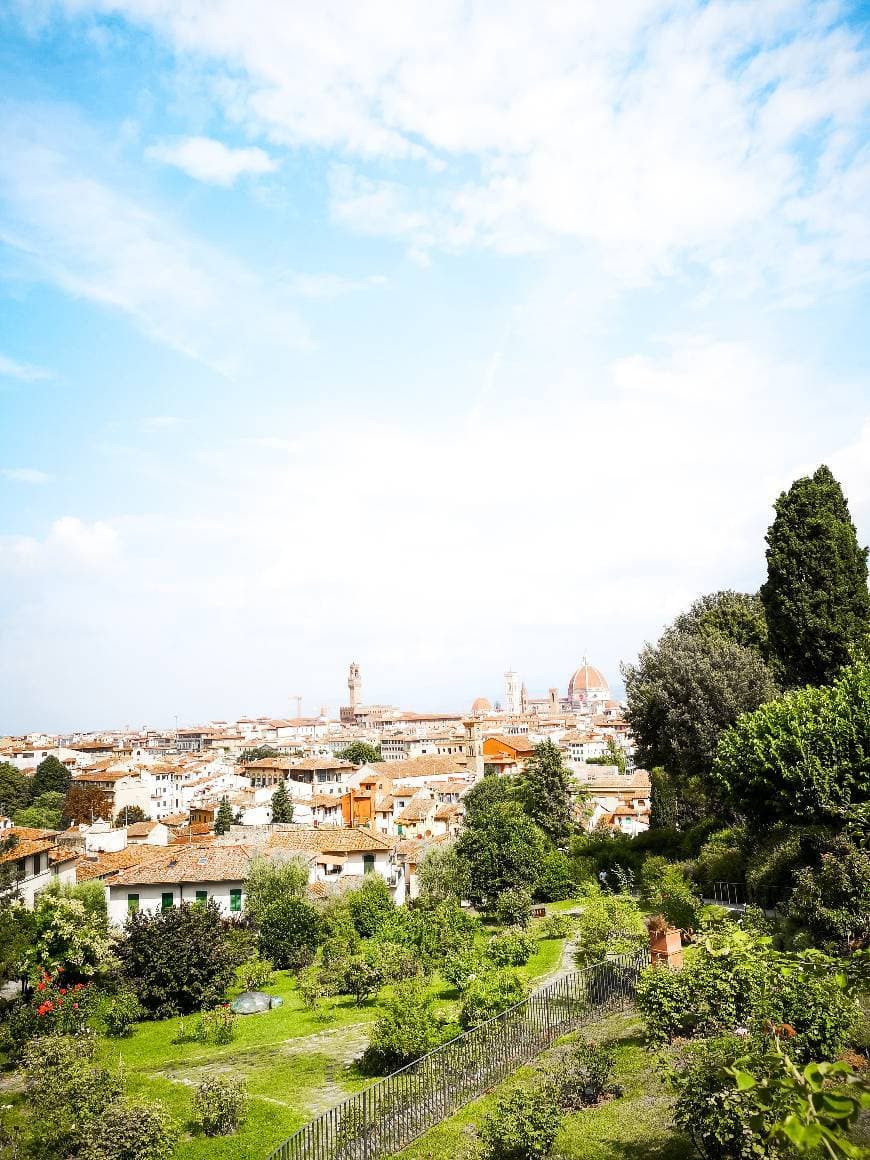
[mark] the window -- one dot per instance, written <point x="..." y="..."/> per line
<point x="202" y="896"/>
<point x="132" y="902"/>
<point x="236" y="899"/>
<point x="166" y="900"/>
<point x="368" y="863"/>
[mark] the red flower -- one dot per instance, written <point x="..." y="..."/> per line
<point x="63" y="990"/>
<point x="40" y="986"/>
<point x="75" y="1006"/>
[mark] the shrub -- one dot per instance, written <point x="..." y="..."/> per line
<point x="514" y="907"/>
<point x="178" y="960"/>
<point x="676" y="899"/>
<point x="219" y="1106"/>
<point x="582" y="1075"/>
<point x="462" y="966"/>
<point x="710" y="1108"/>
<point x="556" y="880"/>
<point x="441" y="929"/>
<point x="257" y="974"/>
<point x="216" y="1026"/>
<point x="406" y="1030"/>
<point x="66" y="1090"/>
<point x="831" y="898"/>
<point x="240" y="937"/>
<point x="650" y="877"/>
<point x="130" y="1131"/>
<point x="488" y="994"/>
<point x="721" y="858"/>
<point x="609" y="925"/>
<point x="557" y="926"/>
<point x="313" y="987"/>
<point x="371" y="905"/>
<point x="289" y="931"/>
<point x="522" y="1126"/>
<point x="511" y="949"/>
<point x="70" y="935"/>
<point x="123" y="1010"/>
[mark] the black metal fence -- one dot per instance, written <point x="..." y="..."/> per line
<point x="728" y="893"/>
<point x="388" y="1115"/>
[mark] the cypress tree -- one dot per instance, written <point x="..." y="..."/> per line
<point x="282" y="806"/>
<point x="816" y="598"/>
<point x="224" y="818"/>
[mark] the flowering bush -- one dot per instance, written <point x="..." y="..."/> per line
<point x="52" y="1009"/>
<point x="219" y="1106"/>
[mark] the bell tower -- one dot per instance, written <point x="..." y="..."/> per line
<point x="354" y="686"/>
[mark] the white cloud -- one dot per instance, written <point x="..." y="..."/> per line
<point x="25" y="372"/>
<point x="71" y="543"/>
<point x="718" y="134"/>
<point x="25" y="475"/>
<point x="78" y="231"/>
<point x="330" y="285"/>
<point x="211" y="161"/>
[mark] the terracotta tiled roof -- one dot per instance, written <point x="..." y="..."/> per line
<point x="88" y="868"/>
<point x="417" y="810"/>
<point x="327" y="839"/>
<point x="429" y="765"/>
<point x="29" y="841"/>
<point x="140" y="829"/>
<point x="189" y="864"/>
<point x="448" y="810"/>
<point x="518" y="742"/>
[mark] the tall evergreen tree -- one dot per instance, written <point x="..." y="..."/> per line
<point x="52" y="776"/>
<point x="816" y="597"/>
<point x="282" y="806"/>
<point x="224" y="818"/>
<point x="547" y="792"/>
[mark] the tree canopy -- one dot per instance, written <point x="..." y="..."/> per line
<point x="501" y="846"/>
<point x="360" y="753"/>
<point x="695" y="682"/>
<point x="804" y="758"/>
<point x="52" y="776"/>
<point x="815" y="597"/>
<point x="547" y="792"/>
<point x="224" y="817"/>
<point x="15" y="789"/>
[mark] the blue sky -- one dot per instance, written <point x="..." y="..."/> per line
<point x="440" y="337"/>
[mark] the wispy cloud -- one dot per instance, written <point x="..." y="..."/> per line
<point x="76" y="229"/>
<point x="25" y="372"/>
<point x="25" y="475"/>
<point x="540" y="123"/>
<point x="330" y="285"/>
<point x="208" y="160"/>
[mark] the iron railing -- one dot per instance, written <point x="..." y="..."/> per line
<point x="728" y="893"/>
<point x="386" y="1116"/>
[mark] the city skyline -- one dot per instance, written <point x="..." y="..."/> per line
<point x="443" y="337"/>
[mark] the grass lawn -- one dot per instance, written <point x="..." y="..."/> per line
<point x="296" y="1064"/>
<point x="636" y="1126"/>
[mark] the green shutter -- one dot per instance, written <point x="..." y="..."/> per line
<point x="166" y="900"/>
<point x="236" y="899"/>
<point x="132" y="902"/>
<point x="202" y="896"/>
<point x="368" y="863"/>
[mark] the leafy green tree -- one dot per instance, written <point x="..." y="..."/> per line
<point x="499" y="844"/>
<point x="51" y="776"/>
<point x="360" y="753"/>
<point x="555" y="880"/>
<point x="69" y="935"/>
<point x="258" y="754"/>
<point x="522" y="1125"/>
<point x="129" y="815"/>
<point x="804" y="758"/>
<point x="282" y="806"/>
<point x="442" y="874"/>
<point x="271" y="879"/>
<point x="609" y="924"/>
<point x="44" y="813"/>
<point x="729" y="615"/>
<point x="15" y="789"/>
<point x="615" y="755"/>
<point x="815" y="597"/>
<point x="831" y="898"/>
<point x="370" y="905"/>
<point x="289" y="933"/>
<point x="687" y="689"/>
<point x="17" y="934"/>
<point x="547" y="792"/>
<point x="224" y="818"/>
<point x="489" y="993"/>
<point x="178" y="960"/>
